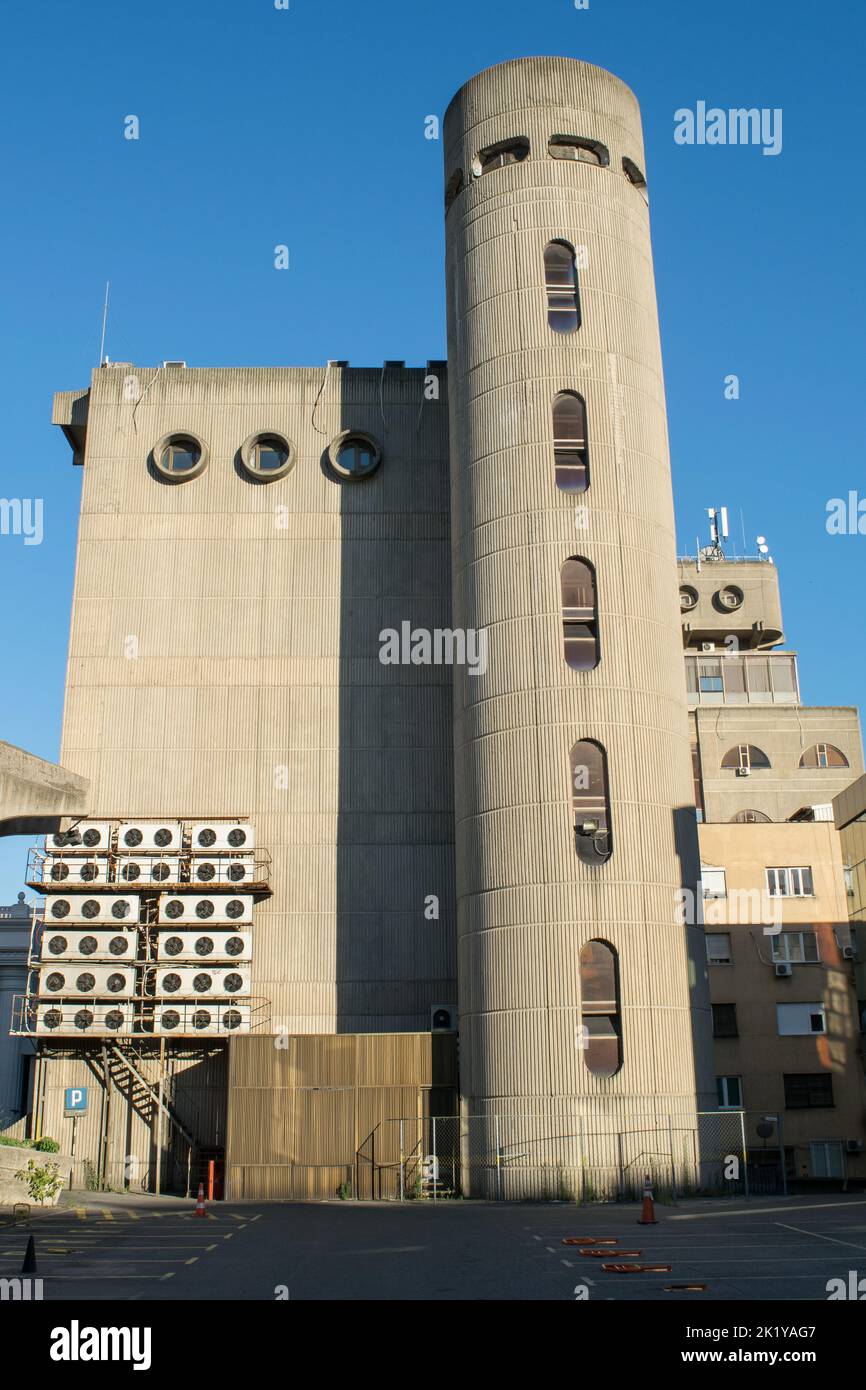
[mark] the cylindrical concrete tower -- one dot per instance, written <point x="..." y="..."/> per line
<point x="583" y="1007"/>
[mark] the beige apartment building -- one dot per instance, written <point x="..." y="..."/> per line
<point x="787" y="1037"/>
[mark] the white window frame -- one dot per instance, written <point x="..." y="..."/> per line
<point x="785" y="939"/>
<point x="823" y="1145"/>
<point x="714" y="882"/>
<point x="711" y="960"/>
<point x="787" y="882"/>
<point x="807" y="1010"/>
<point x="727" y="1104"/>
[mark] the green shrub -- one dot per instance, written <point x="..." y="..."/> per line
<point x="15" y="1143"/>
<point x="42" y="1183"/>
<point x="47" y="1146"/>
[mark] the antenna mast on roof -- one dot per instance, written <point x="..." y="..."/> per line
<point x="104" y="325"/>
<point x="718" y="533"/>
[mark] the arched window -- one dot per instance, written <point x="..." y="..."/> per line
<point x="560" y="280"/>
<point x="578" y="148"/>
<point x="579" y="615"/>
<point x="599" y="1009"/>
<point x="634" y="175"/>
<point x="590" y="802"/>
<point x="823" y="755"/>
<point x="570" y="445"/>
<point x="453" y="187"/>
<point x="497" y="156"/>
<point x="745" y="757"/>
<point x="750" y="818"/>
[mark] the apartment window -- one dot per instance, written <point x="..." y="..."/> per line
<point x="827" y="1158"/>
<point x="809" y="1091"/>
<point x="353" y="455"/>
<point x="725" y="1021"/>
<point x="697" y="781"/>
<point x="497" y="156"/>
<point x="570" y="447"/>
<point x="718" y="947"/>
<point x="729" y="1092"/>
<point x="267" y="457"/>
<point x="590" y="802"/>
<point x="796" y="947"/>
<point x="599" y="1007"/>
<point x="713" y="882"/>
<point x="823" y="755"/>
<point x="577" y="148"/>
<point x="634" y="175"/>
<point x="710" y="677"/>
<point x="179" y="456"/>
<point x="800" y="1020"/>
<point x="747" y="756"/>
<point x="750" y="818"/>
<point x="560" y="280"/>
<point x="579" y="616"/>
<point x="790" y="883"/>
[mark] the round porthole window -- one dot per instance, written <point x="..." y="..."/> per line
<point x="354" y="456"/>
<point x="688" y="598"/>
<point x="730" y="598"/>
<point x="266" y="457"/>
<point x="179" y="457"/>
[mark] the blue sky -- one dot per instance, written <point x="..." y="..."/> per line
<point x="305" y="126"/>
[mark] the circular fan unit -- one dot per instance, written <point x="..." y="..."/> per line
<point x="89" y="872"/>
<point x="52" y="1018"/>
<point x="173" y="946"/>
<point x="205" y="873"/>
<point x="87" y="945"/>
<point x="233" y="982"/>
<point x="91" y="838"/>
<point x="133" y="838"/>
<point x="86" y="983"/>
<point x="162" y="838"/>
<point x="201" y="1018"/>
<point x="120" y="909"/>
<point x="130" y="872"/>
<point x="237" y="872"/>
<point x="170" y="1018"/>
<point x="114" y="1019"/>
<point x="206" y="838"/>
<point x="55" y="981"/>
<point x="58" y="841"/>
<point x="160" y="873"/>
<point x="90" y="909"/>
<point x="174" y="909"/>
<point x="202" y="982"/>
<point x="116" y="983"/>
<point x="171" y="983"/>
<point x="204" y="946"/>
<point x="231" y="1019"/>
<point x="83" y="1019"/>
<point x="118" y="945"/>
<point x="60" y="908"/>
<point x="204" y="908"/>
<point x="237" y="837"/>
<point x="234" y="946"/>
<point x="57" y="945"/>
<point x="234" y="909"/>
<point x="59" y="872"/>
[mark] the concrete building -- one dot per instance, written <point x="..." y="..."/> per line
<point x="849" y="813"/>
<point x="787" y="1037"/>
<point x="16" y="1053"/>
<point x="415" y="630"/>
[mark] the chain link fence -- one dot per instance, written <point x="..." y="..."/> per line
<point x="572" y="1158"/>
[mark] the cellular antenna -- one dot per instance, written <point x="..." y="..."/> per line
<point x="718" y="533"/>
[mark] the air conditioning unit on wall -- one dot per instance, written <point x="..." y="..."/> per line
<point x="148" y="835"/>
<point x="216" y="836"/>
<point x="175" y="909"/>
<point x="195" y="1019"/>
<point x="99" y="1020"/>
<point x="205" y="981"/>
<point x="200" y="947"/>
<point x="239" y="869"/>
<point x="100" y="907"/>
<point x="66" y="869"/>
<point x="77" y="944"/>
<point x="784" y="971"/>
<point x="68" y="979"/>
<point x="147" y="869"/>
<point x="88" y="835"/>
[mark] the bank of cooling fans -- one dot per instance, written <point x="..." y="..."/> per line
<point x="147" y="929"/>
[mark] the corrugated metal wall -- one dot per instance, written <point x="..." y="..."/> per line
<point x="309" y="1113"/>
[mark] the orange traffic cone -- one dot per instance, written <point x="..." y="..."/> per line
<point x="199" y="1201"/>
<point x="647" y="1212"/>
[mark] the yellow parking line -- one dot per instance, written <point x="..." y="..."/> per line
<point x="192" y="1261"/>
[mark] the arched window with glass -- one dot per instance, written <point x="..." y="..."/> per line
<point x="590" y="802"/>
<point x="579" y="614"/>
<point x="560" y="281"/>
<point x="570" y="443"/>
<point x="600" y="1015"/>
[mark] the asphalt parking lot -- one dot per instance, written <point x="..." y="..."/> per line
<point x="109" y="1246"/>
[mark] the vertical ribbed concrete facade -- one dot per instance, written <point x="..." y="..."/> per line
<point x="527" y="904"/>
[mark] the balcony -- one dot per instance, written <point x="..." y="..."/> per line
<point x="742" y="678"/>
